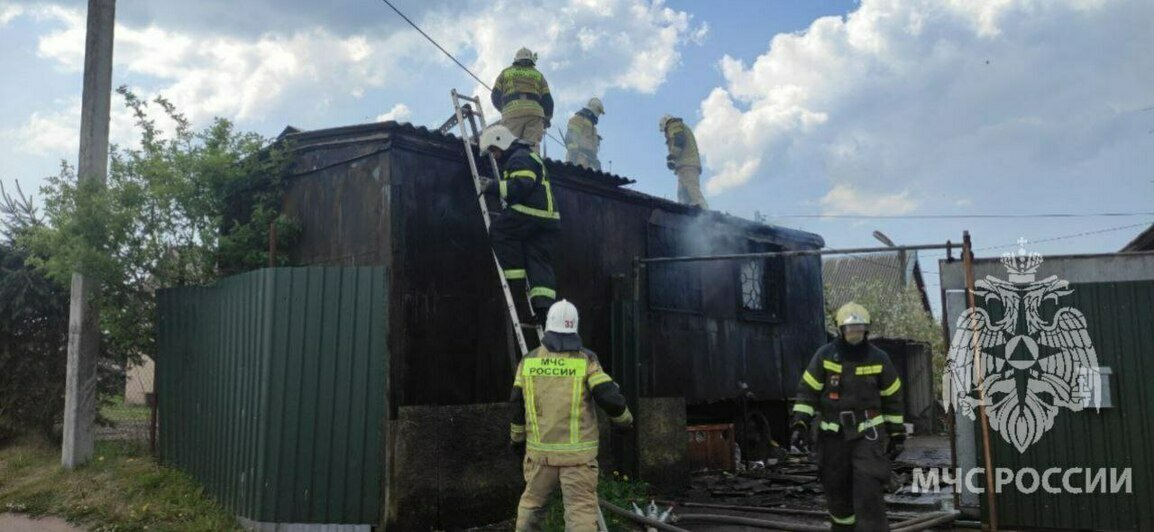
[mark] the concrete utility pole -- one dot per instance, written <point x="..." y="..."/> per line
<point x="83" y="318"/>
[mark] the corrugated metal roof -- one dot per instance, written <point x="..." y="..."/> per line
<point x="563" y="174"/>
<point x="840" y="274"/>
<point x="304" y="139"/>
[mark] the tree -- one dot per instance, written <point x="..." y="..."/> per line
<point x="33" y="330"/>
<point x="163" y="218"/>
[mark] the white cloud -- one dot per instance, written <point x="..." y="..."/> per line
<point x="848" y="199"/>
<point x="585" y="47"/>
<point x="902" y="97"/>
<point x="8" y="12"/>
<point x="208" y="76"/>
<point x="399" y="113"/>
<point x="49" y="133"/>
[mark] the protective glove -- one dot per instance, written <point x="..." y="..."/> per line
<point x="800" y="438"/>
<point x="896" y="445"/>
<point x="548" y="123"/>
<point x="488" y="186"/>
<point x="518" y="448"/>
<point x="670" y="165"/>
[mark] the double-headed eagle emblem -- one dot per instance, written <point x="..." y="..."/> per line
<point x="1036" y="357"/>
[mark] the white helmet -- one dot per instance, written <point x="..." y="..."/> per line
<point x="525" y="54"/>
<point x="595" y="106"/>
<point x="562" y="318"/>
<point x="496" y="135"/>
<point x="664" y="122"/>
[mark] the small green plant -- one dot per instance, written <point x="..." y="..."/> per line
<point x="616" y="488"/>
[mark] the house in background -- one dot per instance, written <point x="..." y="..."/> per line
<point x="1143" y="242"/>
<point x="138" y="381"/>
<point x="894" y="271"/>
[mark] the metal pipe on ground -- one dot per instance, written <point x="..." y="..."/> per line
<point x="925" y="522"/>
<point x="641" y="520"/>
<point x="919" y="519"/>
<point x="747" y="521"/>
<point x="770" y="510"/>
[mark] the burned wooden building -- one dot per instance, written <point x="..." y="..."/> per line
<point x="401" y="197"/>
<point x="397" y="201"/>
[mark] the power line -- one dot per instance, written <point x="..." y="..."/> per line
<point x="965" y="216"/>
<point x="438" y="45"/>
<point x="1055" y="238"/>
<point x="450" y="56"/>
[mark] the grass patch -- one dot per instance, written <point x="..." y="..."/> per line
<point x="118" y="411"/>
<point x="121" y="489"/>
<point x="616" y="488"/>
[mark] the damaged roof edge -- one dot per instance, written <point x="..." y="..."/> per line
<point x="596" y="181"/>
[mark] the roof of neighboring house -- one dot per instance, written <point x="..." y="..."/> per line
<point x="1143" y="242"/>
<point x="892" y="270"/>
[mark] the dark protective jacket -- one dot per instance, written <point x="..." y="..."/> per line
<point x="524" y="183"/>
<point x="521" y="90"/>
<point x="854" y="388"/>
<point x="682" y="144"/>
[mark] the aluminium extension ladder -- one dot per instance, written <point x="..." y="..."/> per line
<point x="467" y="117"/>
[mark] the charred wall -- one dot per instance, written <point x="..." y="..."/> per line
<point x="399" y="196"/>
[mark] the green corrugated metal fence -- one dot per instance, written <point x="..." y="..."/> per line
<point x="1121" y="328"/>
<point x="271" y="388"/>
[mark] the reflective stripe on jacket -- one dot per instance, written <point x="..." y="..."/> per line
<point x="869" y="387"/>
<point x="560" y="419"/>
<point x="521" y="90"/>
<point x="525" y="185"/>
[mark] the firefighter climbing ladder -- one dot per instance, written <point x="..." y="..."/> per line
<point x="470" y="113"/>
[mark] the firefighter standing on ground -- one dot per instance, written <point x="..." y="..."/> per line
<point x="526" y="233"/>
<point x="522" y="95"/>
<point x="684" y="160"/>
<point x="555" y="425"/>
<point x="854" y="387"/>
<point x="581" y="140"/>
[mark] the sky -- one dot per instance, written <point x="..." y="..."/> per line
<point x="817" y="114"/>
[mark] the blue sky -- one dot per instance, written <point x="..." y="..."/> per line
<point x="878" y="107"/>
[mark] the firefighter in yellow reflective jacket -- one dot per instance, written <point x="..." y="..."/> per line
<point x="852" y="391"/>
<point x="525" y="234"/>
<point x="522" y="95"/>
<point x="684" y="160"/>
<point x="555" y="425"/>
<point x="581" y="140"/>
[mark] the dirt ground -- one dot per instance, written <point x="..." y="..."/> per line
<point x="20" y="523"/>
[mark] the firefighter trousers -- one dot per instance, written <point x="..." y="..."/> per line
<point x="689" y="187"/>
<point x="524" y="247"/>
<point x="530" y="129"/>
<point x="854" y="474"/>
<point x="578" y="492"/>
